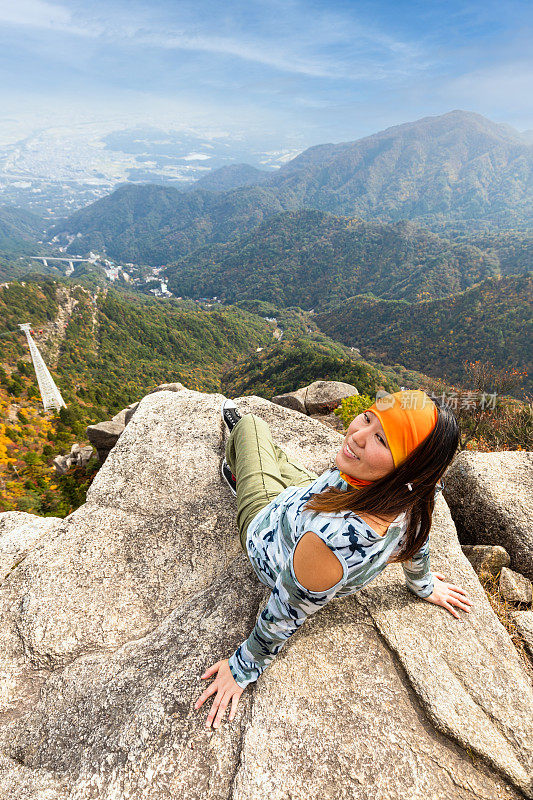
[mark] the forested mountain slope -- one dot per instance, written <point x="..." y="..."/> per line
<point x="108" y="347"/>
<point x="19" y="231"/>
<point x="149" y="224"/>
<point x="313" y="260"/>
<point x="104" y="350"/>
<point x="513" y="250"/>
<point x="488" y="322"/>
<point x="458" y="168"/>
<point x="232" y="176"/>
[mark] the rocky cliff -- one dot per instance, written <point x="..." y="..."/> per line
<point x="110" y="616"/>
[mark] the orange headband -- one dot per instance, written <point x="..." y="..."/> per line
<point x="407" y="418"/>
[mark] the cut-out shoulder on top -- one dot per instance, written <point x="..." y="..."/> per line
<point x="316" y="567"/>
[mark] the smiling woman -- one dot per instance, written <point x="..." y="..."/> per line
<point x="313" y="538"/>
<point x="365" y="453"/>
<point x="401" y="439"/>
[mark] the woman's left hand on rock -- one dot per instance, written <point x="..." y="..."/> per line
<point x="449" y="595"/>
<point x="226" y="689"/>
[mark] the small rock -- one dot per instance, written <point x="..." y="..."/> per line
<point x="524" y="625"/>
<point x="60" y="465"/>
<point x="514" y="587"/>
<point x="78" y="457"/>
<point x="320" y="397"/>
<point x="323" y="397"/>
<point x="167" y="387"/>
<point x="120" y="418"/>
<point x="487" y="558"/>
<point x="104" y="436"/>
<point x="124" y="416"/>
<point x="84" y="455"/>
<point x="294" y="400"/>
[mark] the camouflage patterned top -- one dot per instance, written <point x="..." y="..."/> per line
<point x="271" y="540"/>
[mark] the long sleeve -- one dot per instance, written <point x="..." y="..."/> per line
<point x="287" y="608"/>
<point x="417" y="573"/>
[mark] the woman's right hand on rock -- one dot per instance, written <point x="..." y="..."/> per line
<point x="226" y="689"/>
<point x="448" y="595"/>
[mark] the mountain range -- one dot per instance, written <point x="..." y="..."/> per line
<point x="314" y="260"/>
<point x="19" y="230"/>
<point x="425" y="211"/>
<point x="457" y="171"/>
<point x="458" y="168"/>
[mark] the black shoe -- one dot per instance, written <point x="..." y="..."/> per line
<point x="229" y="477"/>
<point x="230" y="413"/>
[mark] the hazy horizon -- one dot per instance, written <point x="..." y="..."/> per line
<point x="287" y="74"/>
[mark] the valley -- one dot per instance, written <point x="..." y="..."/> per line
<point x="253" y="281"/>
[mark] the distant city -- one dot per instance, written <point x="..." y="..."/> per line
<point x="56" y="171"/>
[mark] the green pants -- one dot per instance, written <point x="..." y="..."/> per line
<point x="261" y="468"/>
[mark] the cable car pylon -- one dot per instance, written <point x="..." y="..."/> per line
<point x="50" y="394"/>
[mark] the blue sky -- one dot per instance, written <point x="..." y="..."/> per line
<point x="298" y="71"/>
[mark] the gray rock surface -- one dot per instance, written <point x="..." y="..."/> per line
<point x="490" y="496"/>
<point x="332" y="420"/>
<point x="115" y="612"/>
<point x="514" y="587"/>
<point x="167" y="387"/>
<point x="320" y="397"/>
<point x="78" y="457"/>
<point x="104" y="436"/>
<point x="122" y="416"/>
<point x="130" y="411"/>
<point x="294" y="400"/>
<point x="486" y="558"/>
<point x="19" y="532"/>
<point x="524" y="625"/>
<point x="324" y="396"/>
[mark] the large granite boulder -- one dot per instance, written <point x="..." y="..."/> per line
<point x="104" y="436"/>
<point x="19" y="533"/>
<point x="324" y="396"/>
<point x="320" y="397"/>
<point x="490" y="496"/>
<point x="113" y="614"/>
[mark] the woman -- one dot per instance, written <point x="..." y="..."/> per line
<point x="312" y="538"/>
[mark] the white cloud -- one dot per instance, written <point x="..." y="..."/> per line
<point x="196" y="157"/>
<point x="499" y="85"/>
<point x="304" y="54"/>
<point x="254" y="51"/>
<point x="323" y="44"/>
<point x="35" y="13"/>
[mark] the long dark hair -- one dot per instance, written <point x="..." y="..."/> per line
<point x="423" y="469"/>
